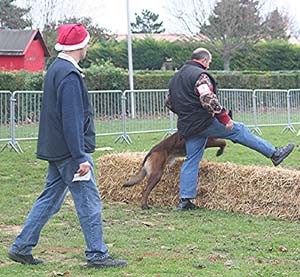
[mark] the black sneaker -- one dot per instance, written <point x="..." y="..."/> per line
<point x="23" y="259"/>
<point x="107" y="262"/>
<point x="186" y="204"/>
<point x="281" y="153"/>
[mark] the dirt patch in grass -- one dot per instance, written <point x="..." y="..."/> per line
<point x="64" y="250"/>
<point x="11" y="229"/>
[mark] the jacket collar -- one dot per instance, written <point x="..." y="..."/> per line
<point x="197" y="63"/>
<point x="66" y="57"/>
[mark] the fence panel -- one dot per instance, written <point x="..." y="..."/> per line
<point x="146" y="111"/>
<point x="294" y="106"/>
<point x="240" y="102"/>
<point x="271" y="107"/>
<point x="5" y="115"/>
<point x="107" y="106"/>
<point x="26" y="109"/>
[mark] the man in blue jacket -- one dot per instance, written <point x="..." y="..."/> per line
<point x="66" y="137"/>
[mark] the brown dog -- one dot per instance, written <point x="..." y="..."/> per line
<point x="159" y="156"/>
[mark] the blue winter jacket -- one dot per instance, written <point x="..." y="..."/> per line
<point x="66" y="126"/>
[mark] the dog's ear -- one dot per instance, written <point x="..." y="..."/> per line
<point x="168" y="102"/>
<point x="230" y="114"/>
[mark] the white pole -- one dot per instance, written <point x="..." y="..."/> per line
<point x="130" y="66"/>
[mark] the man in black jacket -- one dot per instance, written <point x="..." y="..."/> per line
<point x="192" y="96"/>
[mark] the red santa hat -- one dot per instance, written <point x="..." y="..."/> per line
<point x="71" y="37"/>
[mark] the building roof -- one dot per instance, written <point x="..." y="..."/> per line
<point x="16" y="42"/>
<point x="168" y="37"/>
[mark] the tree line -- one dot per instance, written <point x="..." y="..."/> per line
<point x="150" y="54"/>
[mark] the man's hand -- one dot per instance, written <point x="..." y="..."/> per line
<point x="84" y="168"/>
<point x="229" y="125"/>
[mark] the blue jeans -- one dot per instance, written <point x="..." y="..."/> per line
<point x="195" y="148"/>
<point x="87" y="203"/>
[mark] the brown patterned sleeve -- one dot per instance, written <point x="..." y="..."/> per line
<point x="207" y="97"/>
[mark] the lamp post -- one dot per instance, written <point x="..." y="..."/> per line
<point x="130" y="67"/>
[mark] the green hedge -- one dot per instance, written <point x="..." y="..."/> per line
<point x="266" y="56"/>
<point x="21" y="80"/>
<point x="147" y="54"/>
<point x="106" y="77"/>
<point x="150" y="54"/>
<point x="258" y="80"/>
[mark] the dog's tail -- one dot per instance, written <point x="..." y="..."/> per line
<point x="135" y="179"/>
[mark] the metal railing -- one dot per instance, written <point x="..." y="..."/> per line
<point x="107" y="106"/>
<point x="293" y="96"/>
<point x="239" y="101"/>
<point x="26" y="110"/>
<point x="5" y="113"/>
<point x="121" y="114"/>
<point x="269" y="105"/>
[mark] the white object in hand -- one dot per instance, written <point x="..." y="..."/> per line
<point x="85" y="177"/>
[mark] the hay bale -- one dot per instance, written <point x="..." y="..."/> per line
<point x="250" y="190"/>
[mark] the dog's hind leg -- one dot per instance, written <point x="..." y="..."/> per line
<point x="216" y="142"/>
<point x="152" y="182"/>
<point x="220" y="151"/>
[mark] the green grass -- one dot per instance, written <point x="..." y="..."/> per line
<point x="158" y="242"/>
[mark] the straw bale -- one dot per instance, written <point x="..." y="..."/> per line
<point x="250" y="190"/>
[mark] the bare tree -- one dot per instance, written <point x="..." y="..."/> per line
<point x="45" y="12"/>
<point x="190" y="14"/>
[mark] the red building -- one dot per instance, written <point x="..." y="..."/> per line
<point x="22" y="50"/>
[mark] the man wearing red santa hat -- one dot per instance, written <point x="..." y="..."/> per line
<point x="66" y="139"/>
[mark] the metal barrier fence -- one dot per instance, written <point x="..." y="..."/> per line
<point x="293" y="107"/>
<point x="26" y="110"/>
<point x="240" y="102"/>
<point x="120" y="113"/>
<point x="270" y="105"/>
<point x="107" y="106"/>
<point x="143" y="111"/>
<point x="293" y="96"/>
<point x="5" y="115"/>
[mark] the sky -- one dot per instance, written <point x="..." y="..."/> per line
<point x="112" y="14"/>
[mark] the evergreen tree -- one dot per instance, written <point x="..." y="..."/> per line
<point x="13" y="17"/>
<point x="147" y="23"/>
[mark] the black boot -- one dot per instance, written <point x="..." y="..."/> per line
<point x="281" y="153"/>
<point x="107" y="262"/>
<point x="23" y="259"/>
<point x="186" y="204"/>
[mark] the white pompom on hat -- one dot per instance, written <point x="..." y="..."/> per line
<point x="71" y="37"/>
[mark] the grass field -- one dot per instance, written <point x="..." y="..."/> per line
<point x="158" y="242"/>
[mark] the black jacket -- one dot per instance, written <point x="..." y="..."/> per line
<point x="192" y="117"/>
